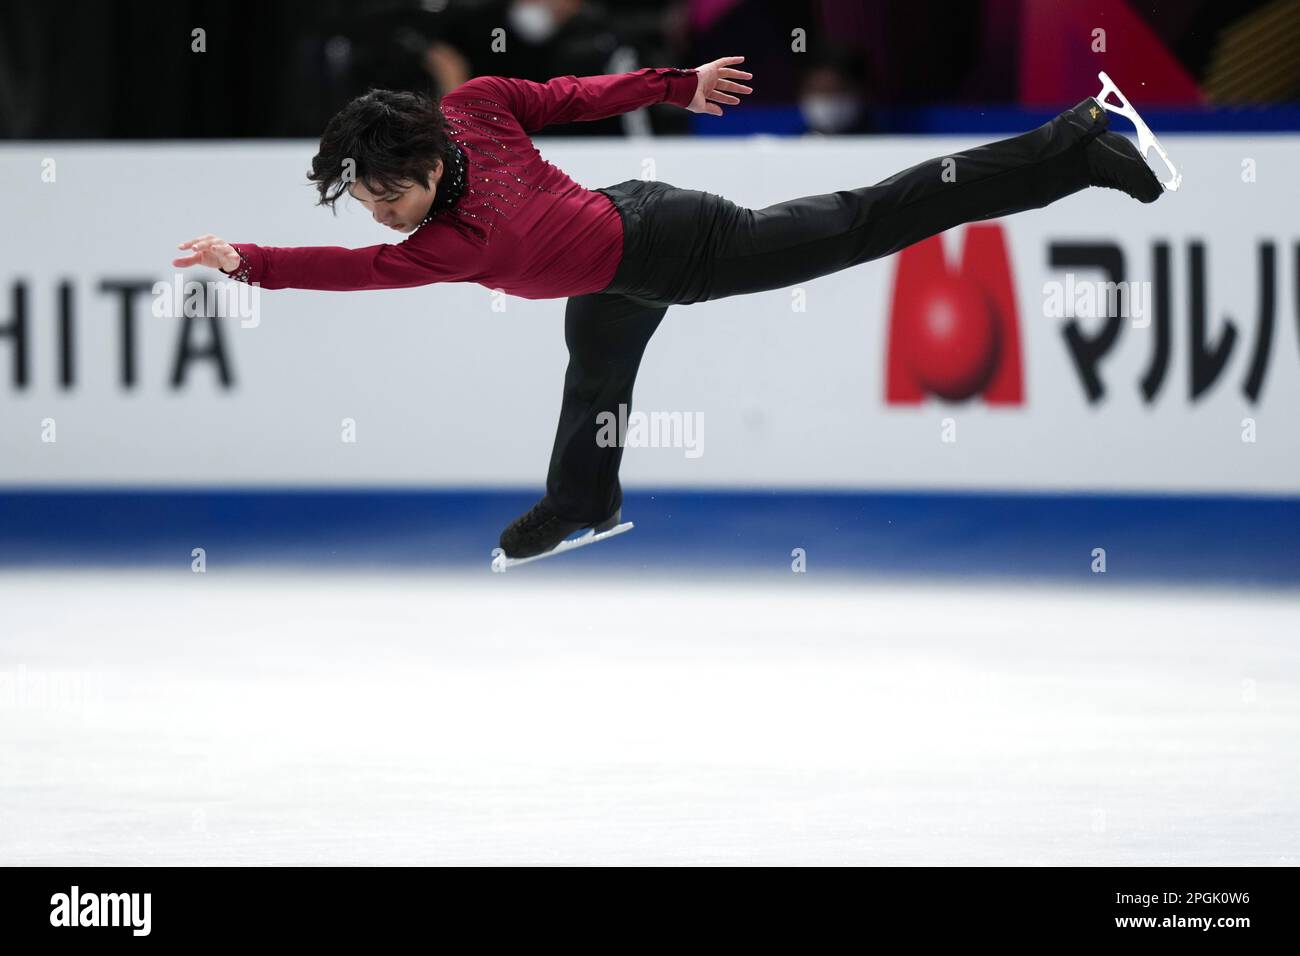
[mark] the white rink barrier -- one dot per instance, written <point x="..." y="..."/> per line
<point x="1097" y="345"/>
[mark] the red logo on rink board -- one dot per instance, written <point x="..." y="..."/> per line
<point x="954" y="333"/>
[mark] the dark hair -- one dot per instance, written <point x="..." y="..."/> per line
<point x="391" y="137"/>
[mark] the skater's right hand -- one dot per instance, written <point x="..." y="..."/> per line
<point x="209" y="251"/>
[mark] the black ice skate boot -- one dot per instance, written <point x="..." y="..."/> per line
<point x="1115" y="163"/>
<point x="541" y="529"/>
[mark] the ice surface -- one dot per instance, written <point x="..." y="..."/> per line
<point x="261" y="717"/>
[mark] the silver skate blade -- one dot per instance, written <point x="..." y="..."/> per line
<point x="1146" y="139"/>
<point x="502" y="563"/>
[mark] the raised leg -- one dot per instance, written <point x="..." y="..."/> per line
<point x="802" y="239"/>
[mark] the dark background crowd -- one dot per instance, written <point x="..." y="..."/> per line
<point x="97" y="69"/>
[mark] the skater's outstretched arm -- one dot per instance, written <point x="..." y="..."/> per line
<point x="568" y="99"/>
<point x="329" y="268"/>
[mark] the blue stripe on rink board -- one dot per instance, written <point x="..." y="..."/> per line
<point x="1284" y="118"/>
<point x="1226" y="540"/>
<point x="995" y="118"/>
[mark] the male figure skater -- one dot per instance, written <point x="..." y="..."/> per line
<point x="463" y="180"/>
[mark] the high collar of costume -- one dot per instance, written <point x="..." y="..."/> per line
<point x="452" y="184"/>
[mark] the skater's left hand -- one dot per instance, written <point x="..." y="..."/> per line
<point x="717" y="84"/>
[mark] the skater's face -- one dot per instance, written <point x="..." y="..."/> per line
<point x="402" y="207"/>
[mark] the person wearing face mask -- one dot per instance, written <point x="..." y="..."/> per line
<point x="536" y="21"/>
<point x="831" y="100"/>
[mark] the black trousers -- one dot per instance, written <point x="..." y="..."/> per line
<point x="683" y="245"/>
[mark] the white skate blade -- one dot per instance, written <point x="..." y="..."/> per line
<point x="502" y="563"/>
<point x="1146" y="139"/>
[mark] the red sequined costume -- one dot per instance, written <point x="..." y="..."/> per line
<point x="522" y="225"/>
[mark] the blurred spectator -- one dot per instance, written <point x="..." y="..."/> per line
<point x="281" y="68"/>
<point x="833" y="97"/>
<point x="541" y="39"/>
